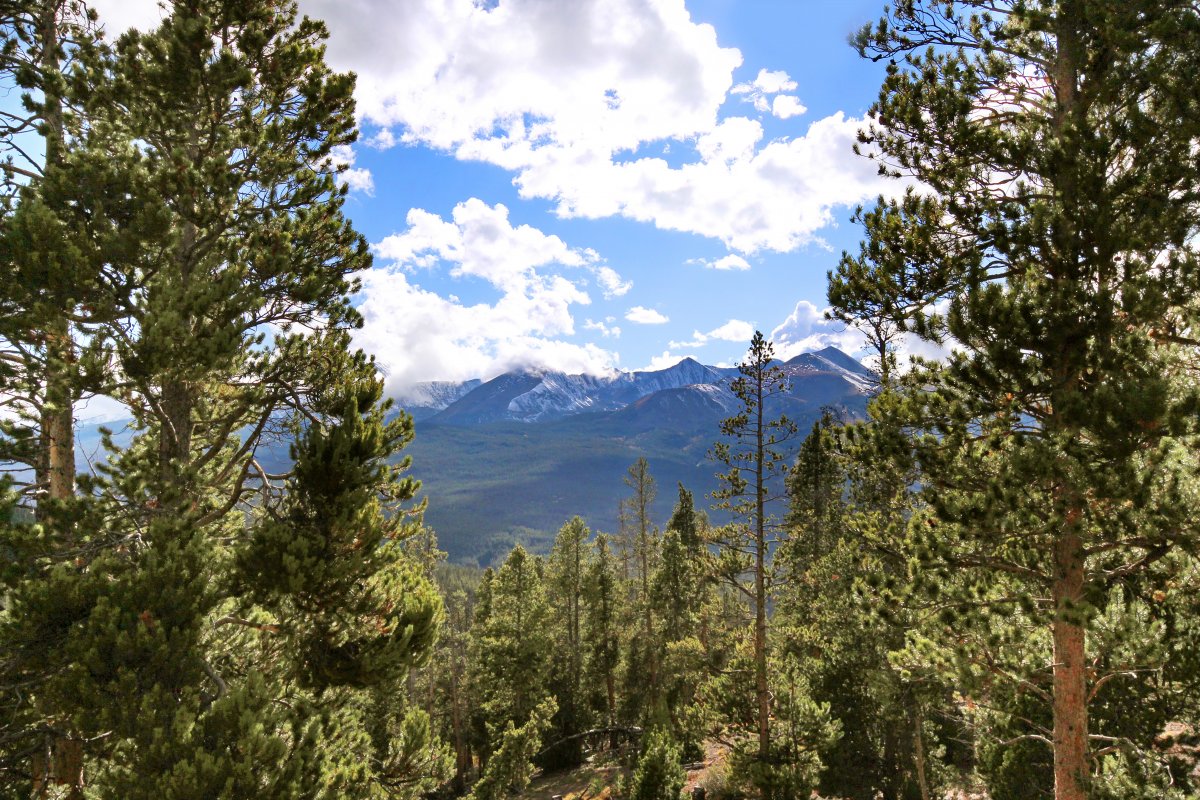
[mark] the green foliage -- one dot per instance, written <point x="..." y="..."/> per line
<point x="410" y="761"/>
<point x="566" y="574"/>
<point x="801" y="732"/>
<point x="659" y="775"/>
<point x="189" y="625"/>
<point x="602" y="611"/>
<point x="751" y="485"/>
<point x="1052" y="240"/>
<point x="509" y="768"/>
<point x="330" y="562"/>
<point x="510" y="653"/>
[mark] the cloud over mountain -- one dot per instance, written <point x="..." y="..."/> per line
<point x="534" y="278"/>
<point x="580" y="100"/>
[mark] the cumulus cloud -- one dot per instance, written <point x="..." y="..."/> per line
<point x="735" y="330"/>
<point x="645" y="316"/>
<point x="564" y="95"/>
<point x="759" y="94"/>
<point x="358" y="179"/>
<point x="786" y="106"/>
<point x="806" y="329"/>
<point x="611" y="283"/>
<point x="418" y="335"/>
<point x="729" y="262"/>
<point x="605" y="327"/>
<point x="667" y="359"/>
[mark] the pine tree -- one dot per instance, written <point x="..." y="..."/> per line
<point x="511" y="655"/>
<point x="746" y="545"/>
<point x="602" y="609"/>
<point x="47" y="261"/>
<point x="641" y="665"/>
<point x="659" y="775"/>
<point x="174" y="672"/>
<point x="1054" y="145"/>
<point x="567" y="568"/>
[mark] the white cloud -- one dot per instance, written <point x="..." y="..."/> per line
<point x="358" y="179"/>
<point x="733" y="139"/>
<point x="605" y="328"/>
<point x="626" y="71"/>
<point x="735" y="330"/>
<point x="382" y="139"/>
<point x="563" y="95"/>
<point x="729" y="262"/>
<point x="480" y="241"/>
<point x="758" y="91"/>
<point x="645" y="316"/>
<point x="417" y="335"/>
<point x="667" y="359"/>
<point x="776" y="198"/>
<point x="611" y="283"/>
<point x="806" y="329"/>
<point x="767" y="82"/>
<point x="786" y="106"/>
<point x="99" y="409"/>
<point x="118" y="16"/>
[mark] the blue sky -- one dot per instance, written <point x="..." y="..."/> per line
<point x="595" y="184"/>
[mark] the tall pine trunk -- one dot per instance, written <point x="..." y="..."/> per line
<point x="58" y="420"/>
<point x="761" y="692"/>
<point x="1071" y="768"/>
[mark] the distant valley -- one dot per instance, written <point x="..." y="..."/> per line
<point x="513" y="458"/>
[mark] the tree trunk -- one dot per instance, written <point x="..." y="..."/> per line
<point x="762" y="695"/>
<point x="1071" y="768"/>
<point x="58" y="419"/>
<point x="611" y="687"/>
<point x="919" y="751"/>
<point x="462" y="755"/>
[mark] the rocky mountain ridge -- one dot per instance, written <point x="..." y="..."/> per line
<point x="533" y="396"/>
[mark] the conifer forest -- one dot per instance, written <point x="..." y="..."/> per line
<point x="986" y="586"/>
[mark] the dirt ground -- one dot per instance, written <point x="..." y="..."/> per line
<point x="594" y="780"/>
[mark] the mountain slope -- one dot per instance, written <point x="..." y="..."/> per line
<point x="516" y="457"/>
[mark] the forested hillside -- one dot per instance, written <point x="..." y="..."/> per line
<point x="974" y="574"/>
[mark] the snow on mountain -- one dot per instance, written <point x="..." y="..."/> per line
<point x="559" y="395"/>
<point x="542" y="396"/>
<point x="436" y="394"/>
<point x="832" y="362"/>
<point x="686" y="373"/>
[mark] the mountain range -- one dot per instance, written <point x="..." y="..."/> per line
<point x="512" y="458"/>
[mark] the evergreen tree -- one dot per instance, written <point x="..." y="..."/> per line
<point x="677" y="592"/>
<point x="1054" y="143"/>
<point x="746" y="546"/>
<point x="47" y="256"/>
<point x="659" y="775"/>
<point x="602" y="609"/>
<point x="511" y="655"/>
<point x="687" y="522"/>
<point x="147" y="653"/>
<point x="641" y="668"/>
<point x="449" y="678"/>
<point x="567" y="569"/>
<point x="838" y="649"/>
